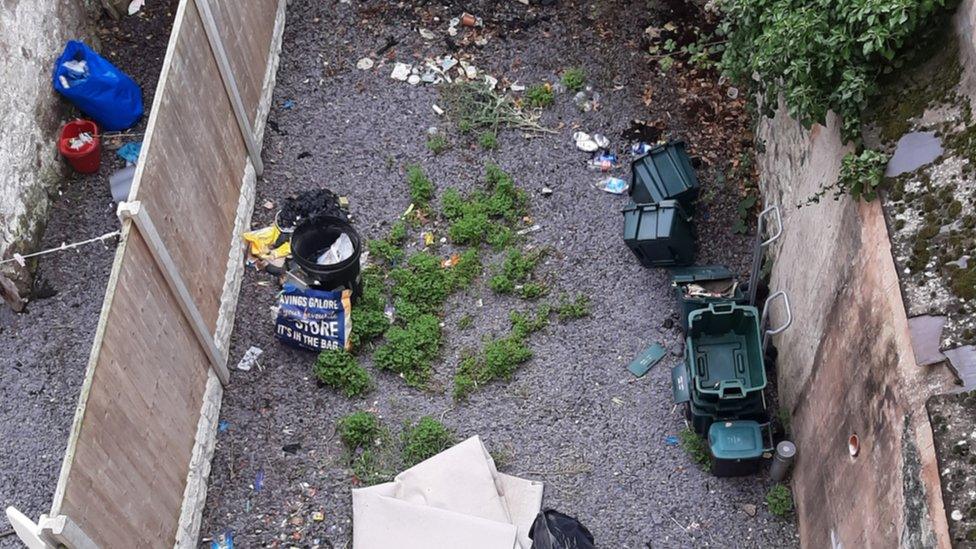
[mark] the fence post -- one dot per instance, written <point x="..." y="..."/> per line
<point x="230" y="84"/>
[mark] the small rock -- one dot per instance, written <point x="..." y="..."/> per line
<point x="749" y="509"/>
<point x="413" y="79"/>
<point x="956" y="515"/>
<point x="546" y="191"/>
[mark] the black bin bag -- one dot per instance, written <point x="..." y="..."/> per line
<point x="554" y="530"/>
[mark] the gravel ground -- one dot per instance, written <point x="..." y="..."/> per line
<point x="46" y="349"/>
<point x="572" y="416"/>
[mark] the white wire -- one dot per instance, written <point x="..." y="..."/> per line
<point x="18" y="258"/>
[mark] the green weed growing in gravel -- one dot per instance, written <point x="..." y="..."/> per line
<point x="410" y="350"/>
<point x="696" y="447"/>
<point x="780" y="500"/>
<point x="425" y="439"/>
<point x="488" y="140"/>
<point x="568" y="309"/>
<point x="482" y="216"/>
<point x="359" y="430"/>
<point x="338" y="369"/>
<point x="368" y="318"/>
<point x="421" y="188"/>
<point x="574" y="79"/>
<point x="465" y="322"/>
<point x="540" y="95"/>
<point x="437" y="144"/>
<point x="476" y="106"/>
<point x="514" y="273"/>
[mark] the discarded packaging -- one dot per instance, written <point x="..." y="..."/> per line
<point x="315" y="320"/>
<point x="340" y="250"/>
<point x="97" y="87"/>
<point x="249" y="359"/>
<point x="130" y="151"/>
<point x="80" y="141"/>
<point x="120" y="183"/>
<point x="587" y="143"/>
<point x="646" y="360"/>
<point x="135" y="6"/>
<point x="401" y="71"/>
<point x="613" y="185"/>
<point x="603" y="162"/>
<point x="554" y="530"/>
<point x="468" y="20"/>
<point x="426" y="34"/>
<point x="364" y="64"/>
<point x="223" y="541"/>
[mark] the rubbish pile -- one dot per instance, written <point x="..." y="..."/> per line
<point x="314" y="252"/>
<point x="722" y="378"/>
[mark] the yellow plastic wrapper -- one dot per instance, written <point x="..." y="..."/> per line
<point x="261" y="240"/>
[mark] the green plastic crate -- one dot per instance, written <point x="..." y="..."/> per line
<point x="724" y="352"/>
<point x="664" y="173"/>
<point x="710" y="277"/>
<point x="660" y="235"/>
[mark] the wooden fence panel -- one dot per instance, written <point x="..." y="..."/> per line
<point x="135" y="468"/>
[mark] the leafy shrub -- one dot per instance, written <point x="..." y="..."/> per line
<point x="860" y="175"/>
<point x="476" y="219"/>
<point x="425" y="439"/>
<point x="516" y="269"/>
<point x="359" y="430"/>
<point x="540" y="95"/>
<point x="821" y="55"/>
<point x="524" y="325"/>
<point x="421" y="188"/>
<point x="574" y="79"/>
<point x="780" y="500"/>
<point x="338" y="369"/>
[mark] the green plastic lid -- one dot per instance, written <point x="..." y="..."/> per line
<point x="735" y="440"/>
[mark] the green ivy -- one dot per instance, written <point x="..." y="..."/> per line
<point x="821" y="55"/>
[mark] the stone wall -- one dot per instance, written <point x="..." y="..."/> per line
<point x="32" y="35"/>
<point x="846" y="365"/>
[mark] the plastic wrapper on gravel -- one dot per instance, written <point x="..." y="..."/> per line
<point x="554" y="530"/>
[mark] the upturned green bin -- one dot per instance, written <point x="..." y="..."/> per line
<point x="660" y="235"/>
<point x="664" y="173"/>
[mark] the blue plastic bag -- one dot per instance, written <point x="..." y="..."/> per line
<point x="315" y="320"/>
<point x="97" y="87"/>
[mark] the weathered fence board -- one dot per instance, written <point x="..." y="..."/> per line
<point x="135" y="468"/>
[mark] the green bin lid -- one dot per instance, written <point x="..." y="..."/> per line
<point x="700" y="273"/>
<point x="736" y="440"/>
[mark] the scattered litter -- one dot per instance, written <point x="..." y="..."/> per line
<point x="956" y="515"/>
<point x="312" y="319"/>
<point x="340" y="250"/>
<point x="640" y="148"/>
<point x="437" y="110"/>
<point x="646" y="360"/>
<point x="587" y="143"/>
<point x="426" y="34"/>
<point x="318" y="516"/>
<point x="468" y="20"/>
<point x="491" y="81"/>
<point x="364" y="64"/>
<point x="554" y="530"/>
<point x="546" y="191"/>
<point x="527" y="230"/>
<point x="732" y="92"/>
<point x="292" y="448"/>
<point x="130" y="151"/>
<point x="223" y="425"/>
<point x="451" y="261"/>
<point x="288" y="104"/>
<point x="516" y="87"/>
<point x="265" y="244"/>
<point x="413" y="79"/>
<point x="135" y="6"/>
<point x="120" y="183"/>
<point x="613" y="185"/>
<point x="603" y="162"/>
<point x="97" y="87"/>
<point x="249" y="359"/>
<point x="401" y="71"/>
<point x="268" y="205"/>
<point x="223" y="541"/>
<point x="749" y="509"/>
<point x="914" y="150"/>
<point x="298" y="207"/>
<point x="671" y="440"/>
<point x="259" y="480"/>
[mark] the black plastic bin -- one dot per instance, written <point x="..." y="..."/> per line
<point x="660" y="235"/>
<point x="315" y="235"/>
<point x="664" y="173"/>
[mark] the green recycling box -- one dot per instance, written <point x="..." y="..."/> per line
<point x="664" y="173"/>
<point x="737" y="447"/>
<point x="660" y="235"/>
<point x="697" y="286"/>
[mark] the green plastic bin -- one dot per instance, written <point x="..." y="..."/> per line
<point x="664" y="173"/>
<point x="660" y="235"/>
<point x="737" y="447"/>
<point x="717" y="281"/>
<point x="724" y="352"/>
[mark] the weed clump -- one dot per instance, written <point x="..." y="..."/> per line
<point x="514" y="273"/>
<point x="476" y="106"/>
<point x="410" y="351"/>
<point x="573" y="309"/>
<point x="368" y="318"/>
<point x="359" y="430"/>
<point x="482" y="216"/>
<point x="425" y="439"/>
<point x="696" y="447"/>
<point x="540" y="95"/>
<point x="574" y="79"/>
<point x="338" y="369"/>
<point x="488" y="140"/>
<point x="421" y="188"/>
<point x="780" y="500"/>
<point x="437" y="144"/>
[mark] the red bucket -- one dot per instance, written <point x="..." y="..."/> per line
<point x="86" y="158"/>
